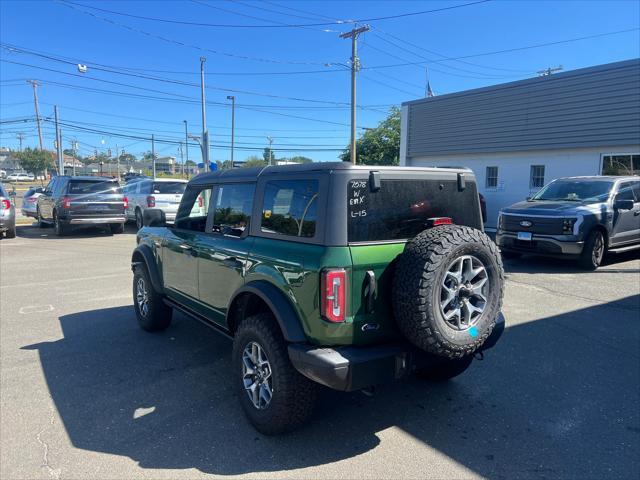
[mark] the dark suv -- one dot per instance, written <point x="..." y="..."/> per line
<point x="325" y="273"/>
<point x="73" y="201"/>
<point x="576" y="217"/>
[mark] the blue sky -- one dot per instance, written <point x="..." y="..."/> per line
<point x="305" y="113"/>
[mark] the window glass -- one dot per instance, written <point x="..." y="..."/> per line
<point x="625" y="191"/>
<point x="635" y="186"/>
<point x="192" y="213"/>
<point x="621" y="164"/>
<point x="536" y="179"/>
<point x="401" y="208"/>
<point x="575" y="190"/>
<point x="84" y="187"/>
<point x="290" y="207"/>
<point x="169" y="187"/>
<point x="491" y="177"/>
<point x="233" y="208"/>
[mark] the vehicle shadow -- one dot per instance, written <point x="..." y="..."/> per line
<point x="539" y="264"/>
<point x="33" y="231"/>
<point x="557" y="397"/>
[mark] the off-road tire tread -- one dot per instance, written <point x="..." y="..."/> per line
<point x="417" y="275"/>
<point x="586" y="258"/>
<point x="160" y="314"/>
<point x="294" y="397"/>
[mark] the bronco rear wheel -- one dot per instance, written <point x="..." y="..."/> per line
<point x="447" y="290"/>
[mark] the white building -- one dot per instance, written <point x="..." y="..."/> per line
<point x="518" y="136"/>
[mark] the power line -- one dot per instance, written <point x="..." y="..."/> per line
<point x="226" y="25"/>
<point x="508" y="50"/>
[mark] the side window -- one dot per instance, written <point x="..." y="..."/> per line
<point x="290" y="207"/>
<point x="491" y="180"/>
<point x="635" y="186"/>
<point x="59" y="188"/>
<point x="50" y="186"/>
<point x="625" y="191"/>
<point x="192" y="214"/>
<point x="536" y="178"/>
<point x="143" y="187"/>
<point x="234" y="203"/>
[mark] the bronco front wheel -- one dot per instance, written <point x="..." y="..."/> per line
<point x="151" y="312"/>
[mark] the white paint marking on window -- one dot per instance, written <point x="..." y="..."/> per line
<point x="35" y="309"/>
<point x="141" y="412"/>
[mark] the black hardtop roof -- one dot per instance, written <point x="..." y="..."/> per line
<point x="248" y="174"/>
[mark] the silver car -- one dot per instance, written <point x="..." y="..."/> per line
<point x="30" y="202"/>
<point x="162" y="193"/>
<point x="7" y="213"/>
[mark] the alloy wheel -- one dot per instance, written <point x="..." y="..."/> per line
<point x="142" y="297"/>
<point x="256" y="375"/>
<point x="463" y="295"/>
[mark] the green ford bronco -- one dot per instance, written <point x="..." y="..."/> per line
<point x="325" y="273"/>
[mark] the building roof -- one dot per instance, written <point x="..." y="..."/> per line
<point x="589" y="107"/>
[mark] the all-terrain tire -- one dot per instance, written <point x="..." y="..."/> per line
<point x="417" y="289"/>
<point x="156" y="316"/>
<point x="293" y="395"/>
<point x="117" y="228"/>
<point x="446" y="370"/>
<point x="139" y="222"/>
<point x="593" y="251"/>
<point x="60" y="228"/>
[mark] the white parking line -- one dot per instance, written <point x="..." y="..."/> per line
<point x="35" y="309"/>
<point x="57" y="281"/>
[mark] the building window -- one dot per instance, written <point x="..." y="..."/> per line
<point x="536" y="180"/>
<point x="492" y="177"/>
<point x="628" y="164"/>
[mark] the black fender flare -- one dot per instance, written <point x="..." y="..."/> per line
<point x="149" y="262"/>
<point x="281" y="308"/>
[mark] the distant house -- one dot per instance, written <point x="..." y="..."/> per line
<point x="163" y="165"/>
<point x="518" y="136"/>
<point x="8" y="162"/>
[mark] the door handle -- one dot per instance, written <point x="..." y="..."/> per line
<point x="232" y="262"/>
<point x="371" y="287"/>
<point x="189" y="250"/>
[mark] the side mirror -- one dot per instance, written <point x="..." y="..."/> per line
<point x="154" y="217"/>
<point x="623" y="204"/>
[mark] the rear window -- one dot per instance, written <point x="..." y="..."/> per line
<point x="169" y="187"/>
<point x="401" y="208"/>
<point x="81" y="187"/>
<point x="290" y="208"/>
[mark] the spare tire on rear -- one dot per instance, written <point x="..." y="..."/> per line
<point x="447" y="290"/>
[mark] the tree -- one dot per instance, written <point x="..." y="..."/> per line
<point x="128" y="158"/>
<point x="148" y="156"/>
<point x="71" y="153"/>
<point x="254" y="161"/>
<point x="299" y="159"/>
<point x="35" y="161"/>
<point x="380" y="145"/>
<point x="268" y="155"/>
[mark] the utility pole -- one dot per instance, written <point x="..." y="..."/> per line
<point x="547" y="72"/>
<point x="205" y="133"/>
<point x="181" y="157"/>
<point x="58" y="143"/>
<point x="35" y="84"/>
<point x="186" y="143"/>
<point x="233" y="123"/>
<point x="355" y="66"/>
<point x="153" y="154"/>
<point x="20" y="137"/>
<point x="74" y="148"/>
<point x="117" y="162"/>
<point x="270" y="139"/>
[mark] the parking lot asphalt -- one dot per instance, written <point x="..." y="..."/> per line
<point x="86" y="394"/>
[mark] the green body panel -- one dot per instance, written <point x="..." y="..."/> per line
<point x="294" y="268"/>
<point x="380" y="324"/>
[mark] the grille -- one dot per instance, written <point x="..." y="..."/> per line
<point x="540" y="225"/>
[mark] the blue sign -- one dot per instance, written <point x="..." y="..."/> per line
<point x="212" y="166"/>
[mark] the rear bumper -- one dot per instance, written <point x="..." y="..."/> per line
<point x="354" y="368"/>
<point x="540" y="244"/>
<point x="96" y="220"/>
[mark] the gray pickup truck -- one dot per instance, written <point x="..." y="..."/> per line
<point x="579" y="217"/>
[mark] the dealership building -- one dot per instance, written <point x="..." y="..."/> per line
<point x="518" y="136"/>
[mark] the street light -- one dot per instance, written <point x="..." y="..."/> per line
<point x="197" y="139"/>
<point x="233" y="123"/>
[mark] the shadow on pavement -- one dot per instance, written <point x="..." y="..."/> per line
<point x="557" y="397"/>
<point x="537" y="264"/>
<point x="33" y="231"/>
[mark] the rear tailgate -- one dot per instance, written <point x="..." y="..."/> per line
<point x="92" y="199"/>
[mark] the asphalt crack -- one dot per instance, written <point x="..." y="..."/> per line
<point x="53" y="472"/>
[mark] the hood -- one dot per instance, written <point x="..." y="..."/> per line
<point x="548" y="208"/>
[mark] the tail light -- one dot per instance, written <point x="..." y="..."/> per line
<point x="434" y="222"/>
<point x="125" y="200"/>
<point x="66" y="202"/>
<point x="32" y="199"/>
<point x="333" y="301"/>
<point x="151" y="201"/>
<point x="200" y="202"/>
<point x="6" y="204"/>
